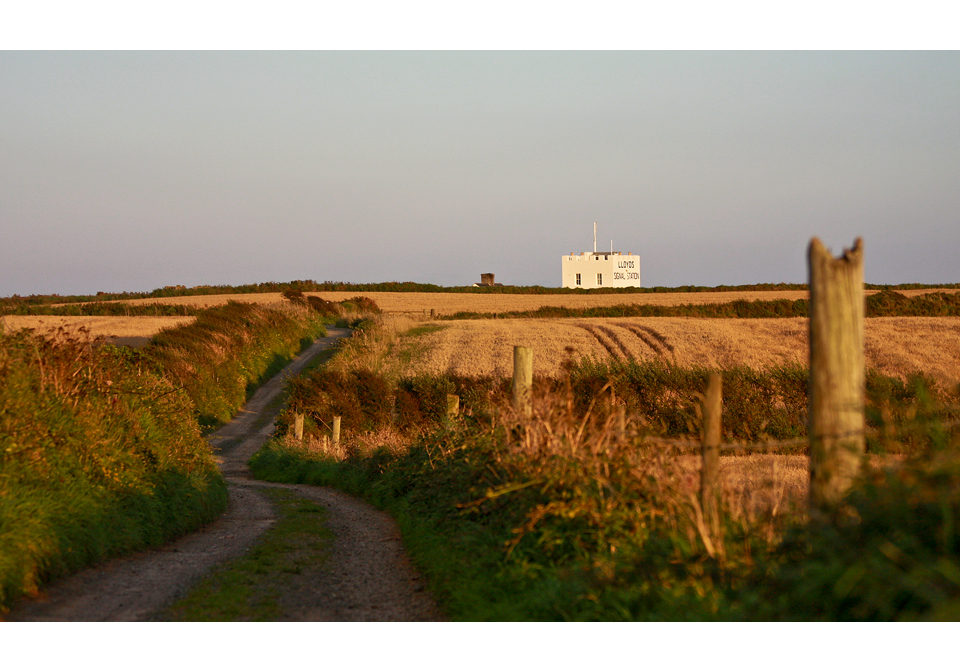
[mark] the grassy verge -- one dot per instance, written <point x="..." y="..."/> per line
<point x="251" y="588"/>
<point x="99" y="455"/>
<point x="229" y="351"/>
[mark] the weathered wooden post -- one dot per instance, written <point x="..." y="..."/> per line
<point x="523" y="380"/>
<point x="336" y="433"/>
<point x="710" y="453"/>
<point x="837" y="443"/>
<point x="453" y="407"/>
<point x="298" y="426"/>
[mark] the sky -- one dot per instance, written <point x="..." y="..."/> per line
<point x="133" y="170"/>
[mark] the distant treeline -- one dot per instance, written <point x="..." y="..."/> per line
<point x="886" y="303"/>
<point x="8" y="305"/>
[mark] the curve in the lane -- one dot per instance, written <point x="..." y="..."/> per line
<point x="369" y="578"/>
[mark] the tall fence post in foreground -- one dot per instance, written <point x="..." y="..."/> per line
<point x="837" y="307"/>
<point x="710" y="453"/>
<point x="523" y="379"/>
<point x="336" y="433"/>
<point x="298" y="427"/>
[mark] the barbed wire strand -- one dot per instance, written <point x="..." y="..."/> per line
<point x="788" y="443"/>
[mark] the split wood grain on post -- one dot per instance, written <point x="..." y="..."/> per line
<point x="837" y="443"/>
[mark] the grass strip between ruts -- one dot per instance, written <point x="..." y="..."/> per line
<point x="251" y="588"/>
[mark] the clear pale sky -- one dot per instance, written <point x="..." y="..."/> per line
<point x="135" y="170"/>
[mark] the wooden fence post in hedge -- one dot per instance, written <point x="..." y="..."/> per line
<point x="298" y="427"/>
<point x="453" y="406"/>
<point x="710" y="453"/>
<point x="523" y="380"/>
<point x="336" y="433"/>
<point x="837" y="443"/>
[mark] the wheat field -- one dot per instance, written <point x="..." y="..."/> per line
<point x="449" y="303"/>
<point x="131" y="331"/>
<point x="896" y="346"/>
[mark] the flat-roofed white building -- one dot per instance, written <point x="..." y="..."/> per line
<point x="589" y="270"/>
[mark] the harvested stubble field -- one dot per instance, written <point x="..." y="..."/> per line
<point x="450" y="303"/>
<point x="751" y="485"/>
<point x="895" y="346"/>
<point x="130" y="331"/>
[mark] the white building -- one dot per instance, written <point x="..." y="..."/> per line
<point x="589" y="270"/>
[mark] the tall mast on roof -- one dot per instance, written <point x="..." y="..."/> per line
<point x="594" y="237"/>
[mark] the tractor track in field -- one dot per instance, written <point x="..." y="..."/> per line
<point x="366" y="578"/>
<point x="612" y="342"/>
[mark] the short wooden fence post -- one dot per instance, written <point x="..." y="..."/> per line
<point x="298" y="427"/>
<point x="523" y="380"/>
<point x="336" y="433"/>
<point x="837" y="305"/>
<point x="453" y="406"/>
<point x="710" y="452"/>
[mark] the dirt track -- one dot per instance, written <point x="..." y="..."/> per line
<point x="368" y="577"/>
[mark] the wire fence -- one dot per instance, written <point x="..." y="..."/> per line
<point x="769" y="446"/>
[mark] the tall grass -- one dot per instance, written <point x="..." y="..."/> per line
<point x="563" y="517"/>
<point x="99" y="455"/>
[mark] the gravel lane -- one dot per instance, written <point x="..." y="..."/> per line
<point x="368" y="577"/>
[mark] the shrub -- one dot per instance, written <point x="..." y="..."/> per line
<point x="893" y="555"/>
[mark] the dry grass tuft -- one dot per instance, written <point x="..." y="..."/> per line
<point x="356" y="444"/>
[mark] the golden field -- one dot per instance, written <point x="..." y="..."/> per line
<point x="132" y="331"/>
<point x="895" y="346"/>
<point x="449" y="303"/>
<point x="752" y="485"/>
